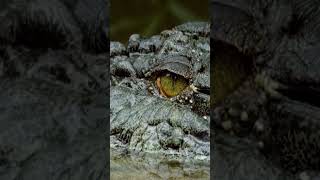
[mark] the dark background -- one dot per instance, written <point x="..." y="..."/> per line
<point x="151" y="17"/>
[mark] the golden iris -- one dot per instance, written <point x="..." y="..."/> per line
<point x="171" y="85"/>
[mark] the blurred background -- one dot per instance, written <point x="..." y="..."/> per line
<point x="150" y="17"/>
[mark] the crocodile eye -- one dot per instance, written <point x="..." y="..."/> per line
<point x="171" y="84"/>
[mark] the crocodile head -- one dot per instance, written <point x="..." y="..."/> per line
<point x="160" y="93"/>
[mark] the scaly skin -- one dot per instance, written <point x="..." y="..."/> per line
<point x="144" y="121"/>
<point x="260" y="124"/>
<point x="53" y="89"/>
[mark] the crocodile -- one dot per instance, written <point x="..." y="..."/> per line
<point x="53" y="89"/>
<point x="266" y="126"/>
<point x="160" y="95"/>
